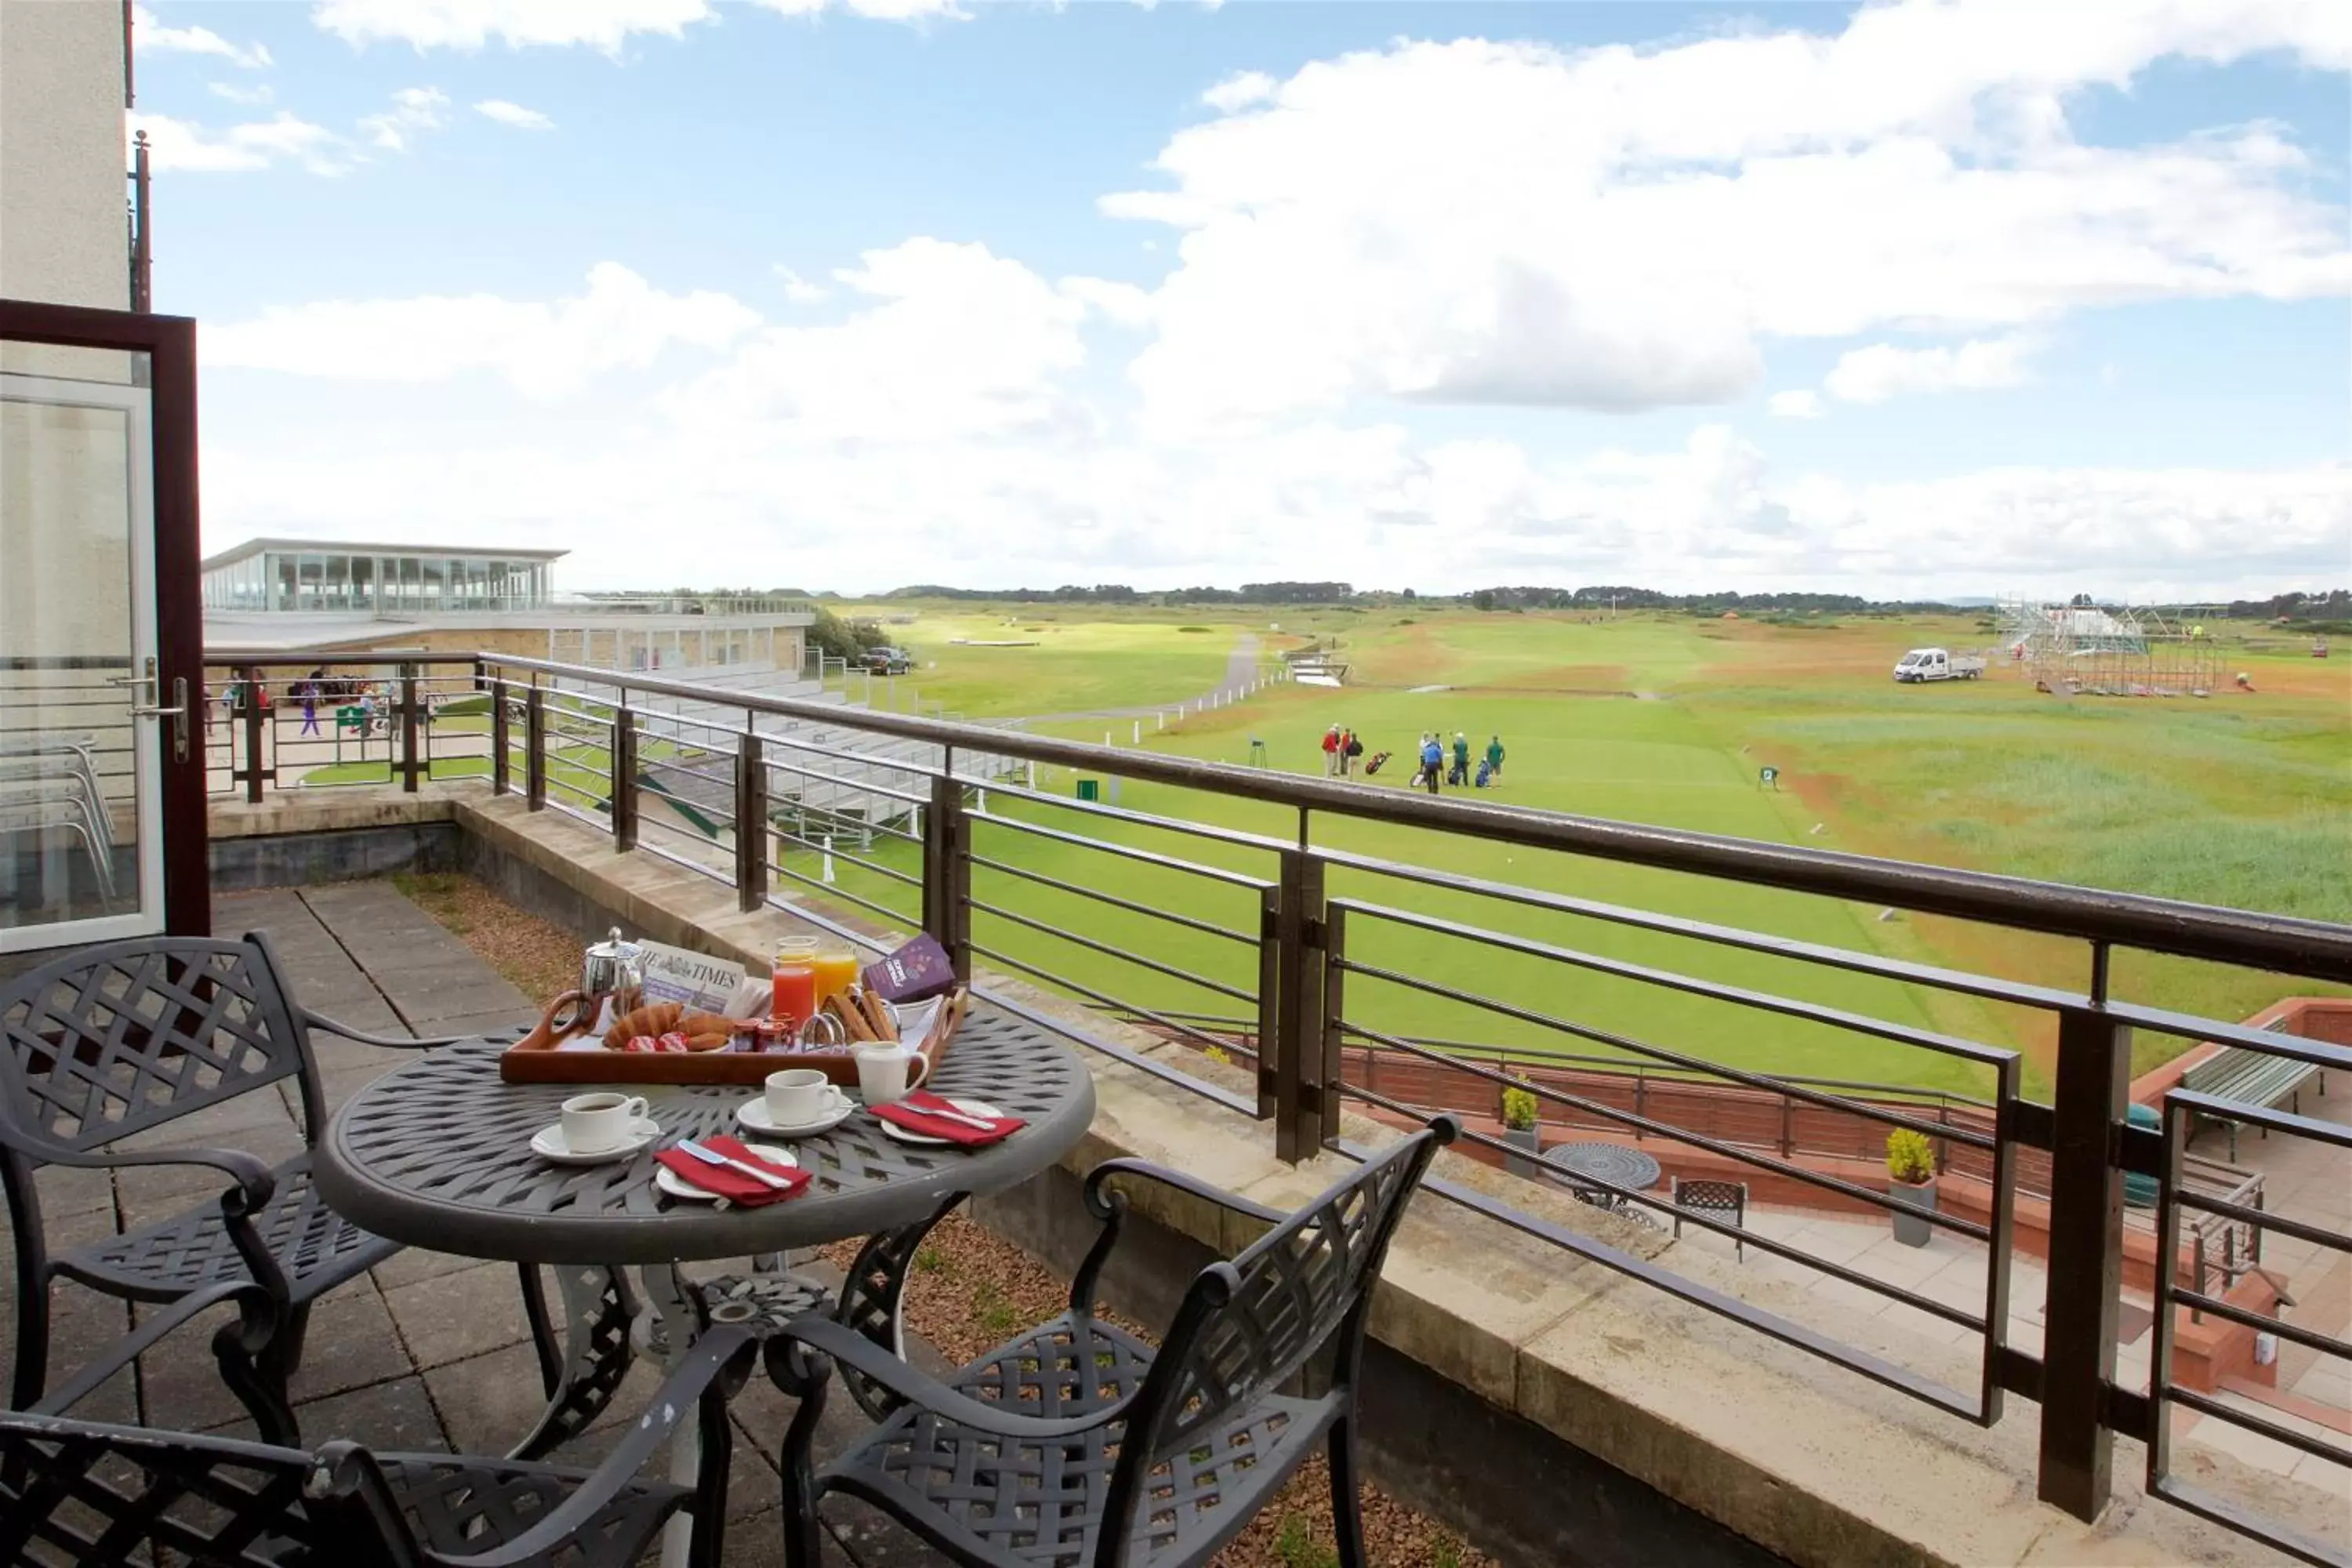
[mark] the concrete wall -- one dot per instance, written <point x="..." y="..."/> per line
<point x="63" y="235"/>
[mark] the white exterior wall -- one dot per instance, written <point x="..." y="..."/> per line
<point x="64" y="238"/>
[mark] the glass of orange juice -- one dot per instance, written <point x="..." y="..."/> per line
<point x="837" y="967"/>
<point x="794" y="973"/>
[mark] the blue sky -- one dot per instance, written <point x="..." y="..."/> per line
<point x="1922" y="298"/>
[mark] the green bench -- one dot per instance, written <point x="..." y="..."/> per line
<point x="2250" y="1077"/>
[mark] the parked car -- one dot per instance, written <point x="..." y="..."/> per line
<point x="1938" y="664"/>
<point x="889" y="660"/>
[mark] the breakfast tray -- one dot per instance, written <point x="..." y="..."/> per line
<point x="552" y="1054"/>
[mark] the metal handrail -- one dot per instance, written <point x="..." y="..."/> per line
<point x="2246" y="936"/>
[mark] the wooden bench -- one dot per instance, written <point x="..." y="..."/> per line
<point x="2251" y="1077"/>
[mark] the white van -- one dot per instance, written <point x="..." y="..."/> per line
<point x="1938" y="664"/>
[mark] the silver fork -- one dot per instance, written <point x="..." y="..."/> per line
<point x="713" y="1157"/>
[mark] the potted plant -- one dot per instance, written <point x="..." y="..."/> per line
<point x="1911" y="1181"/>
<point x="1520" y="1129"/>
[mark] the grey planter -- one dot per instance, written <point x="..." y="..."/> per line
<point x="1532" y="1139"/>
<point x="1910" y="1229"/>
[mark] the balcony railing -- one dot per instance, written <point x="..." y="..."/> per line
<point x="1246" y="924"/>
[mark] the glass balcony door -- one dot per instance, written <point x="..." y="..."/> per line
<point x="82" y="702"/>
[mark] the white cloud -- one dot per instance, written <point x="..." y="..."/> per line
<point x="796" y="496"/>
<point x="1798" y="403"/>
<point x="1881" y="370"/>
<point x="799" y="290"/>
<point x="1612" y="228"/>
<point x="876" y="10"/>
<point x="949" y="340"/>
<point x="1122" y="302"/>
<point x="603" y="25"/>
<point x="184" y="146"/>
<point x="945" y="417"/>
<point x="259" y="93"/>
<point x="413" y="108"/>
<point x="514" y="114"/>
<point x="148" y="33"/>
<point x="1238" y="92"/>
<point x="542" y="347"/>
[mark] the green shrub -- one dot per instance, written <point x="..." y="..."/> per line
<point x="1518" y="1109"/>
<point x="1909" y="1156"/>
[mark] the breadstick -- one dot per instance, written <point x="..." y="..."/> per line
<point x="854" y="1028"/>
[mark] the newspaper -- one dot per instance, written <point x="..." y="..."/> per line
<point x="696" y="981"/>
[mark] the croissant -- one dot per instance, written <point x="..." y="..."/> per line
<point x="655" y="1019"/>
<point x="703" y="1031"/>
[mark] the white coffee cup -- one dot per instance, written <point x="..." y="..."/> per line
<point x="887" y="1070"/>
<point x="594" y="1124"/>
<point x="797" y="1096"/>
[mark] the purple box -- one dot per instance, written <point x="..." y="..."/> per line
<point x="916" y="973"/>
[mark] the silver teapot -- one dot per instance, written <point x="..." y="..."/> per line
<point x="613" y="967"/>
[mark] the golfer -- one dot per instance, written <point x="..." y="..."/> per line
<point x="1331" y="751"/>
<point x="1461" y="774"/>
<point x="1433" y="762"/>
<point x="1494" y="757"/>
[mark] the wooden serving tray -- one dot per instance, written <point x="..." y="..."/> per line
<point x="540" y="1058"/>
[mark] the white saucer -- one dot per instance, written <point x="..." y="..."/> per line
<point x="548" y="1144"/>
<point x="753" y="1114"/>
<point x="678" y="1187"/>
<point x="969" y="1107"/>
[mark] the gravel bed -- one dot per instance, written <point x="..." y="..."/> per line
<point x="536" y="957"/>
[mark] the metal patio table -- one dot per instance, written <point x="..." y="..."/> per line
<point x="1612" y="1163"/>
<point x="436" y="1153"/>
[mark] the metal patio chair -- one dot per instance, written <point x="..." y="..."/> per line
<point x="77" y="1492"/>
<point x="1714" y="1197"/>
<point x="1077" y="1443"/>
<point x="125" y="1037"/>
<point x="44" y="817"/>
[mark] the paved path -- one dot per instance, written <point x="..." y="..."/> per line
<point x="429" y="1351"/>
<point x="1241" y="669"/>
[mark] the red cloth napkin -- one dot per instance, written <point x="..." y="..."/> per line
<point x="913" y="1113"/>
<point x="728" y="1183"/>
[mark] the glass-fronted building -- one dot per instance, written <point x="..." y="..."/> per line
<point x="384" y="579"/>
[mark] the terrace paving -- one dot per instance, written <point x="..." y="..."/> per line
<point x="430" y="1350"/>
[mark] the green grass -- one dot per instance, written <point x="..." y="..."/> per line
<point x="1084" y="659"/>
<point x="2236" y="800"/>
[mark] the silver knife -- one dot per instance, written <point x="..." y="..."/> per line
<point x="713" y="1157"/>
<point x="945" y="1114"/>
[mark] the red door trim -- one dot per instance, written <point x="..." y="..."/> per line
<point x="170" y="343"/>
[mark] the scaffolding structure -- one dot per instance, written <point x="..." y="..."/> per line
<point x="2090" y="650"/>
